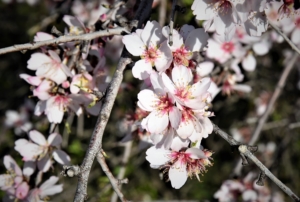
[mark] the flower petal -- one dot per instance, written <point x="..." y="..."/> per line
<point x="134" y="44"/>
<point x="178" y="175"/>
<point x="142" y="69"/>
<point x="196" y="40"/>
<point x="37" y="137"/>
<point x="61" y="157"/>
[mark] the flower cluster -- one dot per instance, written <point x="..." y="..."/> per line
<point x="61" y="83"/>
<point x="15" y="184"/>
<point x="177" y="104"/>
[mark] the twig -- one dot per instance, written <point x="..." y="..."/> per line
<point x="280" y="85"/>
<point x="171" y="25"/>
<point x="114" y="182"/>
<point x="96" y="139"/>
<point x="162" y="12"/>
<point x="63" y="39"/>
<point x="244" y="151"/>
<point x="122" y="170"/>
<point x="293" y="46"/>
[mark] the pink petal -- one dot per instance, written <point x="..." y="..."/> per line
<point x="22" y="190"/>
<point x="33" y="80"/>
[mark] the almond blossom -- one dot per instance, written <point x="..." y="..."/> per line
<point x="161" y="107"/>
<point x="50" y="67"/>
<point x="12" y="182"/>
<point x="184" y="93"/>
<point x="48" y="188"/>
<point x="151" y="46"/>
<point x="42" y="150"/>
<point x="179" y="164"/>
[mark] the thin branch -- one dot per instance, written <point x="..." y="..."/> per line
<point x="114" y="182"/>
<point x="96" y="139"/>
<point x="293" y="46"/>
<point x="162" y="12"/>
<point x="121" y="174"/>
<point x="280" y="85"/>
<point x="171" y="25"/>
<point x="244" y="151"/>
<point x="63" y="39"/>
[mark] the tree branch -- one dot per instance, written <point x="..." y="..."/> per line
<point x="114" y="182"/>
<point x="280" y="85"/>
<point x="127" y="151"/>
<point x="96" y="139"/>
<point x="244" y="151"/>
<point x="63" y="39"/>
<point x="293" y="46"/>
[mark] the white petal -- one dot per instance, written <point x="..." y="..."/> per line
<point x="249" y="62"/>
<point x="10" y="164"/>
<point x="175" y="117"/>
<point x="165" y="57"/>
<point x="55" y="139"/>
<point x="196" y="153"/>
<point x="185" y="129"/>
<point x="29" y="168"/>
<point x="168" y="83"/>
<point x="200" y="87"/>
<point x="37" y="60"/>
<point x="196" y="40"/>
<point x="261" y="48"/>
<point x="181" y="76"/>
<point x="157" y="156"/>
<point x="134" y="44"/>
<point x="61" y="157"/>
<point x="178" y="176"/>
<point x="205" y="68"/>
<point x="178" y="143"/>
<point x="48" y="187"/>
<point x="147" y="100"/>
<point x="185" y="30"/>
<point x="157" y="122"/>
<point x="44" y="164"/>
<point x="242" y="88"/>
<point x="152" y="33"/>
<point x="141" y="69"/>
<point x="37" y="137"/>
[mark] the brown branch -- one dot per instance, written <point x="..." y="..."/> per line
<point x="127" y="151"/>
<point x="280" y="85"/>
<point x="244" y="151"/>
<point x="96" y="139"/>
<point x="63" y="39"/>
<point x="162" y="12"/>
<point x="114" y="182"/>
<point x="293" y="46"/>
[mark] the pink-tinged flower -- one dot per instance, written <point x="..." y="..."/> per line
<point x="194" y="124"/>
<point x="76" y="27"/>
<point x="186" y="42"/>
<point x="230" y="86"/>
<point x="48" y="188"/>
<point x="18" y="121"/>
<point x="184" y="93"/>
<point x="161" y="105"/>
<point x="222" y="13"/>
<point x="83" y="82"/>
<point x="42" y="150"/>
<point x="12" y="182"/>
<point x="179" y="164"/>
<point x="229" y="191"/>
<point x="223" y="50"/>
<point x="148" y="44"/>
<point x="56" y="106"/>
<point x="49" y="67"/>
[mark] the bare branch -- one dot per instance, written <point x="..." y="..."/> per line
<point x="243" y="149"/>
<point x="171" y="24"/>
<point x="280" y="85"/>
<point x="96" y="139"/>
<point x="162" y="12"/>
<point x="293" y="46"/>
<point x="114" y="182"/>
<point x="127" y="151"/>
<point x="63" y="39"/>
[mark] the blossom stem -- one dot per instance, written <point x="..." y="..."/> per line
<point x="171" y="24"/>
<point x="63" y="39"/>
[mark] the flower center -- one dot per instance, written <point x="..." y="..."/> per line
<point x="181" y="56"/>
<point x="151" y="54"/>
<point x="183" y="92"/>
<point x="223" y="7"/>
<point x="228" y="47"/>
<point x="164" y="104"/>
